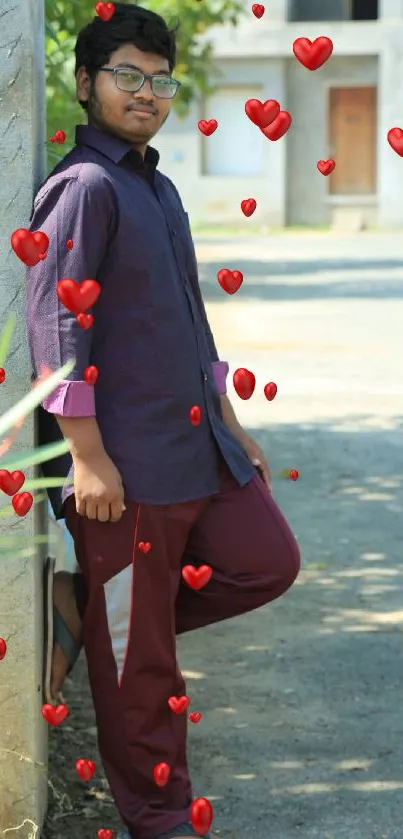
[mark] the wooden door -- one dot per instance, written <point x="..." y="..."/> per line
<point x="352" y="140"/>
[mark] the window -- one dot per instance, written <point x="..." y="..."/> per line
<point x="236" y="147"/>
<point x="333" y="10"/>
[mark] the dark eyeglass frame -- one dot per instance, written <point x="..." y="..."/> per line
<point x="146" y="77"/>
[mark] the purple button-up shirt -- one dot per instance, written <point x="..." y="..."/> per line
<point x="150" y="339"/>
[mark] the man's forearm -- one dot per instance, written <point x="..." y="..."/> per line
<point x="230" y="419"/>
<point x="83" y="435"/>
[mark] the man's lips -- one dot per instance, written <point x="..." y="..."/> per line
<point x="142" y="110"/>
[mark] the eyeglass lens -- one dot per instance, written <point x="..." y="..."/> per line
<point x="131" y="80"/>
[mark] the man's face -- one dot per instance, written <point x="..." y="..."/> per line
<point x="118" y="111"/>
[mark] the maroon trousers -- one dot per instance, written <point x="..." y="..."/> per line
<point x="134" y="605"/>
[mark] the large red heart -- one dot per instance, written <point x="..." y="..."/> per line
<point x="178" y="704"/>
<point x="161" y="774"/>
<point x="22" y="503"/>
<point x="201" y="815"/>
<point x="312" y="54"/>
<point x="278" y="127"/>
<point x="326" y="166"/>
<point x="258" y="10"/>
<point x="105" y="10"/>
<point x="248" y="207"/>
<point x="85" y="768"/>
<point x="11" y="482"/>
<point x="77" y="297"/>
<point x="262" y="113"/>
<point x="230" y="281"/>
<point x="55" y="714"/>
<point x="197" y="578"/>
<point x="244" y="382"/>
<point x="29" y="246"/>
<point x="395" y="140"/>
<point x="207" y="126"/>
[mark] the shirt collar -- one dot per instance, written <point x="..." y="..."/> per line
<point x="114" y="148"/>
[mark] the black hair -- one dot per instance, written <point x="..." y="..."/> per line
<point x="130" y="24"/>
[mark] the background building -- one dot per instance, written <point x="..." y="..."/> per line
<point x="343" y="111"/>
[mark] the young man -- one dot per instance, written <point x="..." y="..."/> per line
<point x="141" y="471"/>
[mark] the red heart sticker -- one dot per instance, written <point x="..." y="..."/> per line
<point x="2" y="375"/>
<point x="248" y="206"/>
<point x="161" y="774"/>
<point x="3" y="648"/>
<point x="77" y="297"/>
<point x="230" y="281"/>
<point x="144" y="547"/>
<point x="278" y="127"/>
<point x="326" y="166"/>
<point x="201" y="815"/>
<point x="55" y="714"/>
<point x="195" y="415"/>
<point x="178" y="704"/>
<point x="270" y="391"/>
<point x="22" y="503"/>
<point x="195" y="716"/>
<point x="197" y="578"/>
<point x="312" y="54"/>
<point x="244" y="382"/>
<point x="91" y="374"/>
<point x="85" y="321"/>
<point x="395" y="140"/>
<point x="60" y="136"/>
<point x="69" y="244"/>
<point x="105" y="10"/>
<point x="29" y="246"/>
<point x="104" y="833"/>
<point x="258" y="10"/>
<point x="207" y="126"/>
<point x="293" y="474"/>
<point x="85" y="768"/>
<point x="262" y="113"/>
<point x="11" y="482"/>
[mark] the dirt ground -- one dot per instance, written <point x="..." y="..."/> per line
<point x="300" y="737"/>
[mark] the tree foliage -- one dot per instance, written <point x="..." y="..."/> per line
<point x="195" y="65"/>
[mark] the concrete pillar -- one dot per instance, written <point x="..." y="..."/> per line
<point x="23" y="732"/>
<point x="390" y="108"/>
<point x="391" y="9"/>
<point x="276" y="11"/>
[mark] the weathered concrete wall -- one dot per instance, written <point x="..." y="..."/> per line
<point x="23" y="733"/>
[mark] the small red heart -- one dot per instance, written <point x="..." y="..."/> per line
<point x="2" y="375"/>
<point x="178" y="704"/>
<point x="11" y="482"/>
<point x="262" y="113"/>
<point x="144" y="547"/>
<point x="197" y="578"/>
<point x="104" y="833"/>
<point x="293" y="474"/>
<point x="28" y="246"/>
<point x="248" y="206"/>
<point x="3" y="648"/>
<point x="278" y="127"/>
<point x="207" y="127"/>
<point x="85" y="321"/>
<point x="85" y="768"/>
<point x="69" y="244"/>
<point x="55" y="714"/>
<point x="258" y="10"/>
<point x="60" y="136"/>
<point x="201" y="815"/>
<point x="195" y="716"/>
<point x="105" y="10"/>
<point x="161" y="774"/>
<point x="244" y="382"/>
<point x="91" y="374"/>
<point x="270" y="391"/>
<point x="52" y="139"/>
<point x="195" y="415"/>
<point x="395" y="140"/>
<point x="230" y="281"/>
<point x="22" y="503"/>
<point x="77" y="297"/>
<point x="312" y="54"/>
<point x="326" y="166"/>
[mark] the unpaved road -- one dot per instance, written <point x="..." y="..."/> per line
<point x="302" y="731"/>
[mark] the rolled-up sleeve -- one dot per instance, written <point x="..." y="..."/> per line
<point x="81" y="210"/>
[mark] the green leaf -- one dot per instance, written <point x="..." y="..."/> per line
<point x="34" y="398"/>
<point x="34" y="456"/>
<point x="6" y="338"/>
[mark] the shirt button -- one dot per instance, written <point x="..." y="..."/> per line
<point x="205" y="377"/>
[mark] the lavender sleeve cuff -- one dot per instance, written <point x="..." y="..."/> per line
<point x="220" y="373"/>
<point x="71" y="399"/>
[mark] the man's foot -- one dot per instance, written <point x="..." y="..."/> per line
<point x="65" y="602"/>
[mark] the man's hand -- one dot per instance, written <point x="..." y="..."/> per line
<point x="254" y="452"/>
<point x="98" y="488"/>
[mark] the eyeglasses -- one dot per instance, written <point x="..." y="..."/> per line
<point x="164" y="87"/>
